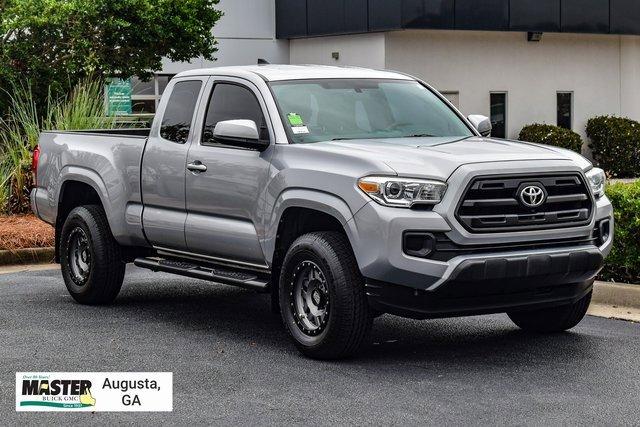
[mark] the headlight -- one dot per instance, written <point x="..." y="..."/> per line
<point x="402" y="192"/>
<point x="597" y="180"/>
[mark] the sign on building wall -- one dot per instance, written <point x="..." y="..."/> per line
<point x="119" y="97"/>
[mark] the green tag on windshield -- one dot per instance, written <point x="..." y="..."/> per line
<point x="295" y="119"/>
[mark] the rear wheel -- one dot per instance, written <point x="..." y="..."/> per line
<point x="553" y="319"/>
<point x="322" y="298"/>
<point x="90" y="258"/>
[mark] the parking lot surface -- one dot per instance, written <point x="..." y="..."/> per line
<point x="233" y="363"/>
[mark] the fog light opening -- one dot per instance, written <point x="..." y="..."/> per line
<point x="418" y="244"/>
<point x="605" y="231"/>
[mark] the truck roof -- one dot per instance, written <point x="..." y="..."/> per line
<point x="297" y="72"/>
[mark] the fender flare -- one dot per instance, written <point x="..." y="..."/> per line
<point x="309" y="199"/>
<point x="92" y="179"/>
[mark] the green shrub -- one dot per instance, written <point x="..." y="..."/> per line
<point x="615" y="142"/>
<point x="18" y="137"/>
<point x="551" y="135"/>
<point x="623" y="264"/>
<point x="83" y="108"/>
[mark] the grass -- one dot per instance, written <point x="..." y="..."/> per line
<point x="83" y="108"/>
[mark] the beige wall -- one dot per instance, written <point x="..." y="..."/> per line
<point x="364" y="50"/>
<point x="477" y="63"/>
<point x="630" y="76"/>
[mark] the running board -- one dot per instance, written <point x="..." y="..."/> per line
<point x="243" y="279"/>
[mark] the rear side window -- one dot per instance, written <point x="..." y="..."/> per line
<point x="232" y="102"/>
<point x="176" y="123"/>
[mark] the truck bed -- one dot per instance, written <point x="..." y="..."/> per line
<point x="106" y="160"/>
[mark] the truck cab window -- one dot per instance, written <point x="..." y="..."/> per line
<point x="176" y="122"/>
<point x="232" y="102"/>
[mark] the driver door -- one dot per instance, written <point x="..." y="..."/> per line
<point x="223" y="197"/>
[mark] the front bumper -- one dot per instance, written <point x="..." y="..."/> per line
<point x="376" y="233"/>
<point x="496" y="280"/>
<point x="494" y="285"/>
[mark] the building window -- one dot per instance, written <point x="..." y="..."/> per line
<point x="565" y="109"/>
<point x="453" y="97"/>
<point x="498" y="102"/>
<point x="146" y="95"/>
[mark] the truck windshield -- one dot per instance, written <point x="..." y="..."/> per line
<point x="338" y="109"/>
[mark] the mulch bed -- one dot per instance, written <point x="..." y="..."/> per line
<point x="24" y="231"/>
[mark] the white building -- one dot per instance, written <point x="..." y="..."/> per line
<point x="481" y="53"/>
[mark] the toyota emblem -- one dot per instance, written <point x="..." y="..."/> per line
<point x="532" y="196"/>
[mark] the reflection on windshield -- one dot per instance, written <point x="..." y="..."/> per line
<point x="342" y="109"/>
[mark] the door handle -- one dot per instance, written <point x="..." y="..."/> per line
<point x="197" y="167"/>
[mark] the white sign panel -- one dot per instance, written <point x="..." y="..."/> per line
<point x="94" y="391"/>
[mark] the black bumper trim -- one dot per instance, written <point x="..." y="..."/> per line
<point x="446" y="249"/>
<point x="495" y="285"/>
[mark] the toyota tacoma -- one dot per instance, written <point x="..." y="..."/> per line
<point x="344" y="193"/>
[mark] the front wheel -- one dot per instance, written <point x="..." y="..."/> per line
<point x="553" y="319"/>
<point x="322" y="298"/>
<point x="90" y="257"/>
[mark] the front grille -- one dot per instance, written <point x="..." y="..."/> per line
<point x="494" y="203"/>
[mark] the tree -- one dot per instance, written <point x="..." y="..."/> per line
<point x="53" y="44"/>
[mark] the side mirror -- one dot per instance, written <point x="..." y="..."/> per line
<point x="481" y="123"/>
<point x="242" y="133"/>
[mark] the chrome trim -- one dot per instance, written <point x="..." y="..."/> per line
<point x="225" y="261"/>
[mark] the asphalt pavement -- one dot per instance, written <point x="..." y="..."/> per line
<point x="234" y="364"/>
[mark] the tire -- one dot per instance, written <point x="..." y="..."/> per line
<point x="337" y="321"/>
<point x="90" y="258"/>
<point x="553" y="319"/>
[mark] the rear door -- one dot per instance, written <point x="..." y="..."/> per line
<point x="223" y="201"/>
<point x="164" y="164"/>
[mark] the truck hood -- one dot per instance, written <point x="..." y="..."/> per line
<point x="440" y="157"/>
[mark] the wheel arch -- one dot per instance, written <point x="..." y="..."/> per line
<point x="299" y="200"/>
<point x="76" y="190"/>
<point x="301" y="211"/>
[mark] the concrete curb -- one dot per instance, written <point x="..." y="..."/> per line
<point x="27" y="268"/>
<point x="616" y="294"/>
<point x="616" y="301"/>
<point x="27" y="256"/>
<point x="622" y="180"/>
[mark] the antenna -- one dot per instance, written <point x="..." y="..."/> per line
<point x="262" y="61"/>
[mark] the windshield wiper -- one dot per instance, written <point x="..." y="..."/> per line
<point x="418" y="135"/>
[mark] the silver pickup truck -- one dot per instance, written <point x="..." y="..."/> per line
<point x="345" y="193"/>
